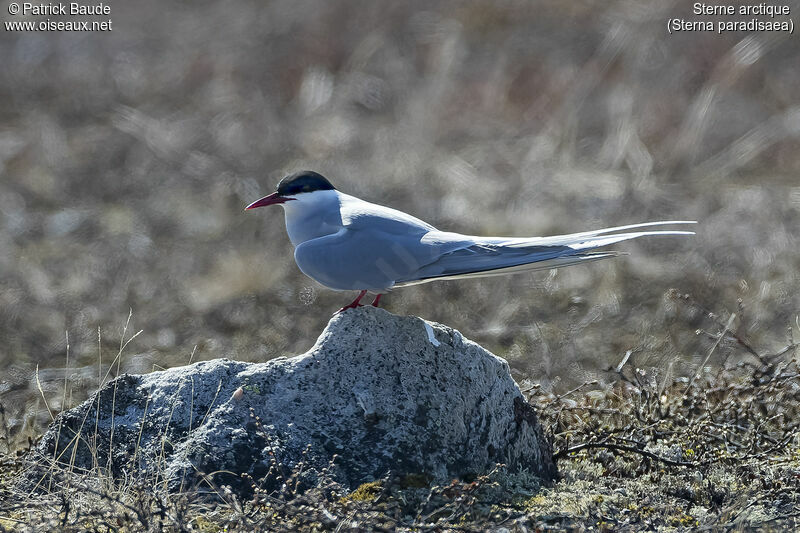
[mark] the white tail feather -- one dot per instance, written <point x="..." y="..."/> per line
<point x="586" y="236"/>
<point x="580" y="243"/>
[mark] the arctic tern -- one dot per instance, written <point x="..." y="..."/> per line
<point x="345" y="243"/>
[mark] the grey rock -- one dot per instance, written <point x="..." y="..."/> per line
<point x="377" y="393"/>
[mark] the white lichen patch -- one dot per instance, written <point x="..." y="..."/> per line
<point x="431" y="336"/>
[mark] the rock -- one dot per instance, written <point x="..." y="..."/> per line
<point x="382" y="393"/>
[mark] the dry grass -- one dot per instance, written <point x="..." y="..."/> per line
<point x="718" y="448"/>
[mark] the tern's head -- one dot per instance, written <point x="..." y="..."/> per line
<point x="298" y="186"/>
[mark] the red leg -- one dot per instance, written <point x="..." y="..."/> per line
<point x="377" y="301"/>
<point x="355" y="303"/>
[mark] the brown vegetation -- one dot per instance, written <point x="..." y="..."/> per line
<point x="650" y="452"/>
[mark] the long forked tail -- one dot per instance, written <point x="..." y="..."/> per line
<point x="494" y="256"/>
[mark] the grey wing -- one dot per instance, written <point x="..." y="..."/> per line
<point x="492" y="256"/>
<point x="484" y="258"/>
<point x="371" y="257"/>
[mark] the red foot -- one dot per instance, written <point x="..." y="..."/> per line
<point x="355" y="303"/>
<point x="377" y="301"/>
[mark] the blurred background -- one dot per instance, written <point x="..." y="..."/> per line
<point x="126" y="159"/>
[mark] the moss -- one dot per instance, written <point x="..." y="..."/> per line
<point x="12" y="521"/>
<point x="684" y="520"/>
<point x="255" y="389"/>
<point x="204" y="525"/>
<point x="365" y="492"/>
<point x="540" y="500"/>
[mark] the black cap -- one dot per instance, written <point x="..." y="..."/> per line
<point x="304" y="181"/>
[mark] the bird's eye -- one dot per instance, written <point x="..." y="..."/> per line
<point x="306" y="188"/>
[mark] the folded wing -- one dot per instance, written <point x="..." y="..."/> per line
<point x="467" y="257"/>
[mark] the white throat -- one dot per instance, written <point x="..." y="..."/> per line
<point x="311" y="215"/>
